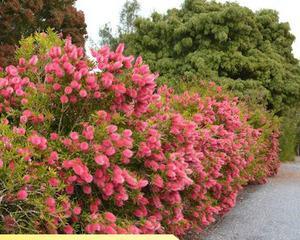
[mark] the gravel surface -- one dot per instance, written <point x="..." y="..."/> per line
<point x="263" y="212"/>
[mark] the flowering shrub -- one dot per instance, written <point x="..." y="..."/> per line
<point x="98" y="148"/>
<point x="267" y="148"/>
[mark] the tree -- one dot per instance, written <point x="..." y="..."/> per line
<point x="106" y="35"/>
<point x="22" y="18"/>
<point x="128" y="16"/>
<point x="248" y="52"/>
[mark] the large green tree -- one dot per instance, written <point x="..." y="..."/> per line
<point x="21" y="18"/>
<point x="249" y="52"/>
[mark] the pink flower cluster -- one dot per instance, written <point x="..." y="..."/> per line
<point x="101" y="149"/>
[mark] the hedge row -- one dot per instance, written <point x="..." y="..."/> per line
<point x="97" y="147"/>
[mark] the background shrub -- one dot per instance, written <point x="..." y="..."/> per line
<point x="289" y="139"/>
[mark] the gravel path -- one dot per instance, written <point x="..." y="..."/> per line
<point x="264" y="212"/>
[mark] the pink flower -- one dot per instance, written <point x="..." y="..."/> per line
<point x="88" y="133"/>
<point x="68" y="67"/>
<point x="117" y="177"/>
<point x="26" y="178"/>
<point x="94" y="207"/>
<point x="55" y="52"/>
<point x="73" y="99"/>
<point x="74" y="136"/>
<point x="82" y="93"/>
<point x="38" y="141"/>
<point x="12" y="70"/>
<point x="77" y="210"/>
<point x="134" y="230"/>
<point x="89" y="229"/>
<point x="53" y="157"/>
<point x="107" y="79"/>
<point x="27" y="113"/>
<point x="68" y="90"/>
<point x="24" y="101"/>
<point x="77" y="76"/>
<point x="11" y="165"/>
<point x="110" y="217"/>
<point x="54" y="136"/>
<point x="64" y="99"/>
<point x="120" y="88"/>
<point x="23" y="119"/>
<point x="56" y="87"/>
<point x="68" y="229"/>
<point x="78" y="169"/>
<point x="22" y="61"/>
<point x="111" y="129"/>
<point x="101" y="159"/>
<point x="142" y="183"/>
<point x="92" y="228"/>
<point x="158" y="181"/>
<point x="1" y="163"/>
<point x="84" y="146"/>
<point x="74" y="84"/>
<point x="70" y="189"/>
<point x="91" y="79"/>
<point x="19" y="92"/>
<point x="204" y="220"/>
<point x="127" y="133"/>
<point x="109" y="189"/>
<point x="50" y="202"/>
<point x="87" y="189"/>
<point x="139" y="213"/>
<point x="110" y="230"/>
<point x="22" y="195"/>
<point x="54" y="182"/>
<point x="88" y="178"/>
<point x="20" y="131"/>
<point x="127" y="153"/>
<point x="110" y="151"/>
<point x="33" y="60"/>
<point x="67" y="142"/>
<point x="97" y="95"/>
<point x="120" y="48"/>
<point x="102" y="115"/>
<point x="49" y="79"/>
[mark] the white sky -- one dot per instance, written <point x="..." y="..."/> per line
<point x="98" y="12"/>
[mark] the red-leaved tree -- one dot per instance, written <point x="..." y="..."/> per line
<point x="22" y="18"/>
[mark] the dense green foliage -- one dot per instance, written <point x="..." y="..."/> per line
<point x="251" y="52"/>
<point x="23" y="18"/>
<point x="38" y="44"/>
<point x="290" y="135"/>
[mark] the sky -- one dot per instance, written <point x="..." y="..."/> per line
<point x="99" y="12"/>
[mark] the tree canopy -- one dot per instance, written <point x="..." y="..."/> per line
<point x="22" y="18"/>
<point x="249" y="52"/>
